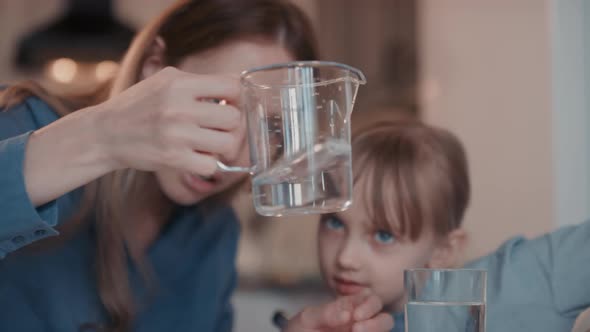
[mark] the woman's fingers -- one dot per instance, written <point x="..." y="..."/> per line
<point x="203" y="86"/>
<point x="215" y="142"/>
<point x="197" y="163"/>
<point x="218" y="116"/>
<point x="161" y="121"/>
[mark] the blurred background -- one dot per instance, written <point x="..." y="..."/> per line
<point x="510" y="78"/>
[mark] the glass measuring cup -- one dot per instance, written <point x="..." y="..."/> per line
<point x="298" y="117"/>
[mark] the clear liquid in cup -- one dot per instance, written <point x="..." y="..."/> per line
<point x="313" y="181"/>
<point x="445" y="316"/>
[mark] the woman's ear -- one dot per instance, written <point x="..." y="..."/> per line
<point x="154" y="59"/>
<point x="449" y="251"/>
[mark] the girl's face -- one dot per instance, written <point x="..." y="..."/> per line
<point x="356" y="256"/>
<point x="230" y="59"/>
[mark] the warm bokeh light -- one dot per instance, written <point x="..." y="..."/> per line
<point x="63" y="70"/>
<point x="105" y="70"/>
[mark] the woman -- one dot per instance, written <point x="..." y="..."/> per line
<point x="147" y="241"/>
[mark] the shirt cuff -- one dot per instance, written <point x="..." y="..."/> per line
<point x="20" y="222"/>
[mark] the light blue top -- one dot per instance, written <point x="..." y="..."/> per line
<point x="538" y="285"/>
<point x="55" y="289"/>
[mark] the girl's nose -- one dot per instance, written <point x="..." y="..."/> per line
<point x="349" y="257"/>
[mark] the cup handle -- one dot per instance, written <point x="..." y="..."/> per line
<point x="233" y="169"/>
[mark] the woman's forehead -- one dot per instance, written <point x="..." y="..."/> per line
<point x="235" y="57"/>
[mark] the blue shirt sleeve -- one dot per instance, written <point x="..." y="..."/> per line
<point x="564" y="257"/>
<point x="540" y="284"/>
<point x="20" y="222"/>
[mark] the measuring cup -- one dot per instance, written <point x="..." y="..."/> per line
<point x="298" y="117"/>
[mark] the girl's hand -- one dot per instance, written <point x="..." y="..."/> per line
<point x="357" y="313"/>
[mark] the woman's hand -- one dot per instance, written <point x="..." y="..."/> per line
<point x="166" y="121"/>
<point x="357" y="313"/>
<point x="169" y="121"/>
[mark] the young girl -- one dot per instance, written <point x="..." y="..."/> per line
<point x="411" y="190"/>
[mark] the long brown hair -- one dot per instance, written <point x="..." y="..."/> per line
<point x="411" y="174"/>
<point x="187" y="28"/>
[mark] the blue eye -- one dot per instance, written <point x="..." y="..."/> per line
<point x="333" y="223"/>
<point x="384" y="237"/>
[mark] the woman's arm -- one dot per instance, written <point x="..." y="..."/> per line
<point x="63" y="156"/>
<point x="21" y="222"/>
<point x="159" y="123"/>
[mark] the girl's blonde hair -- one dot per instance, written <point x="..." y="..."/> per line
<point x="411" y="175"/>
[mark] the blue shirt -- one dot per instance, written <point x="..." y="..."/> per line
<point x="54" y="289"/>
<point x="536" y="285"/>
